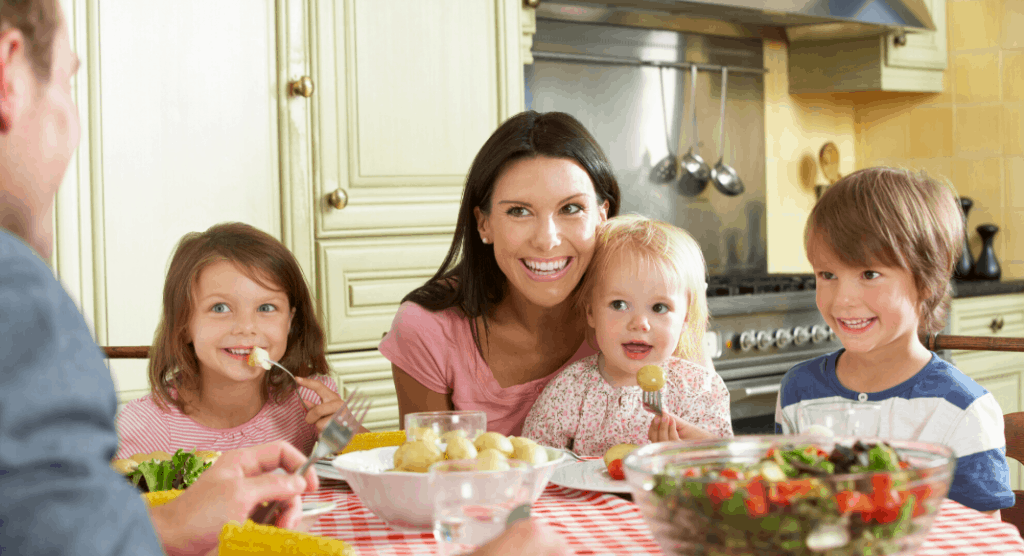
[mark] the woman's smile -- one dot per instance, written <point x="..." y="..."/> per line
<point x="547" y="270"/>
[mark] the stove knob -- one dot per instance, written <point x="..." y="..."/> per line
<point x="831" y="334"/>
<point x="819" y="333"/>
<point x="782" y="338"/>
<point x="801" y="335"/>
<point x="764" y="340"/>
<point x="747" y="340"/>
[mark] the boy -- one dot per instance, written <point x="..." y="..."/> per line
<point x="882" y="243"/>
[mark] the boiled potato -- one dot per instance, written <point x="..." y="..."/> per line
<point x="124" y="466"/>
<point x="458" y="433"/>
<point x="425" y="433"/>
<point x="460" y="447"/>
<point x="492" y="460"/>
<point x="208" y="456"/>
<point x="417" y="456"/>
<point x="618" y="451"/>
<point x="532" y="453"/>
<point x="651" y="378"/>
<point x="518" y="441"/>
<point x="496" y="441"/>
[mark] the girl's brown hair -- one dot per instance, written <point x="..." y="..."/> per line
<point x="895" y="218"/>
<point x="659" y="247"/>
<point x="173" y="364"/>
<point x="38" y="21"/>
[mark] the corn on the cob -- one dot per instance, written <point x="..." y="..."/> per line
<point x="371" y="440"/>
<point x="160" y="497"/>
<point x="252" y="538"/>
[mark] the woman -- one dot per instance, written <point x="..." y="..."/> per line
<point x="498" y="320"/>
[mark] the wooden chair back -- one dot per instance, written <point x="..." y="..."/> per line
<point x="126" y="352"/>
<point x="1013" y="428"/>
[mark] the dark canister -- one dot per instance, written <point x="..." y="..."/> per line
<point x="965" y="264"/>
<point x="987" y="267"/>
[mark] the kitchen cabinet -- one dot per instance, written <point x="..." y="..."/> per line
<point x="1001" y="373"/>
<point x="879" y="63"/>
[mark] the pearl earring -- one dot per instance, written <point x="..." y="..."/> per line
<point x="485" y="240"/>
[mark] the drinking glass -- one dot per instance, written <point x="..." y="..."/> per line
<point x="472" y="505"/>
<point x="470" y="423"/>
<point x="842" y="418"/>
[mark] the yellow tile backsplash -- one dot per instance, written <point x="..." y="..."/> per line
<point x="971" y="134"/>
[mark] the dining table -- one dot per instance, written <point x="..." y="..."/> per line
<point x="600" y="523"/>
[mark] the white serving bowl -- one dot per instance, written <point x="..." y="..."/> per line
<point x="402" y="498"/>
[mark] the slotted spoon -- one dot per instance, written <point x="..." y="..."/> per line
<point x="665" y="170"/>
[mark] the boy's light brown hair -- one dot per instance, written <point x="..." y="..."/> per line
<point x="173" y="364"/>
<point x="896" y="218"/>
<point x="653" y="246"/>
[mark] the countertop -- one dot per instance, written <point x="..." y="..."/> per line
<point x="977" y="288"/>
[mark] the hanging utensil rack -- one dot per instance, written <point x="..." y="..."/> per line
<point x="623" y="61"/>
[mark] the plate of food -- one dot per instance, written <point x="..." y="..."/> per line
<point x="594" y="474"/>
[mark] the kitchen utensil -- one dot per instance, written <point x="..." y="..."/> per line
<point x="652" y="402"/>
<point x="692" y="509"/>
<point x="987" y="267"/>
<point x="667" y="169"/>
<point x="335" y="436"/>
<point x="695" y="172"/>
<point x="402" y="498"/>
<point x="828" y="157"/>
<point x="724" y="176"/>
<point x="259" y="357"/>
<point x="936" y="342"/>
<point x="965" y="264"/>
<point x="472" y="503"/>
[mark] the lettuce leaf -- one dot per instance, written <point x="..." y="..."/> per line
<point x="176" y="473"/>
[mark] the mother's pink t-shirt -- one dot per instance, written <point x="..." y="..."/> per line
<point x="437" y="349"/>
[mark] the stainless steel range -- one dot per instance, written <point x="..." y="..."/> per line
<point x="761" y="326"/>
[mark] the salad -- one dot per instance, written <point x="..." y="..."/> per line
<point x="174" y="474"/>
<point x="803" y="500"/>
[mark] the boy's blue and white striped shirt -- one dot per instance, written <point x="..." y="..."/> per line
<point x="939" y="404"/>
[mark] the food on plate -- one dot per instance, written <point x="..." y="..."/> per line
<point x="124" y="466"/>
<point x="492" y="460"/>
<point x="530" y="452"/>
<point x="494" y="440"/>
<point x="258" y="357"/>
<point x="371" y="440"/>
<point x="176" y="472"/>
<point x="613" y="460"/>
<point x="651" y="378"/>
<point x="251" y="538"/>
<point x="157" y="455"/>
<point x="788" y="503"/>
<point x="425" y="433"/>
<point x="457" y="433"/>
<point x="208" y="456"/>
<point x="417" y="456"/>
<point x="161" y="497"/>
<point x="459" y="447"/>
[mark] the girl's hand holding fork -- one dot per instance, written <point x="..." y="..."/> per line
<point x="330" y="402"/>
<point x="668" y="427"/>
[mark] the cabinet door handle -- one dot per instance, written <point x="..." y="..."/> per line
<point x="997" y="324"/>
<point x="338" y="198"/>
<point x="301" y="87"/>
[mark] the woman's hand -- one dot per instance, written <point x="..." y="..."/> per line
<point x="229" y="491"/>
<point x="330" y="402"/>
<point x="669" y="427"/>
<point x="526" y="537"/>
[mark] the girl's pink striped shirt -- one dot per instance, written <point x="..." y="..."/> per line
<point x="143" y="427"/>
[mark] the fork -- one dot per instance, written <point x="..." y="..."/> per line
<point x="335" y="436"/>
<point x="652" y="402"/>
<point x="264" y="357"/>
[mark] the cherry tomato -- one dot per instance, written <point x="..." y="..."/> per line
<point x="851" y="501"/>
<point x="756" y="501"/>
<point x="616" y="471"/>
<point x="889" y="509"/>
<point x="728" y="473"/>
<point x="718" y="492"/>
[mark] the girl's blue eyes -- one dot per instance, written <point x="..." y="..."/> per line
<point x="223" y="308"/>
<point x="267" y="307"/>
<point x="219" y="308"/>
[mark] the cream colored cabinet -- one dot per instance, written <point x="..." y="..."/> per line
<point x="1001" y="373"/>
<point x="180" y="130"/>
<point x="883" y="63"/>
<point x="406" y="94"/>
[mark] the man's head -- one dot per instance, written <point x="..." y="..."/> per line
<point x="39" y="126"/>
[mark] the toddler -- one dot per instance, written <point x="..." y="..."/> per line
<point x="645" y="298"/>
<point x="883" y="243"/>
<point x="230" y="289"/>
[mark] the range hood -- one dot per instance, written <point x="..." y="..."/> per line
<point x="801" y="19"/>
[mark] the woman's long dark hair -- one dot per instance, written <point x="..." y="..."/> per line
<point x="469" y="278"/>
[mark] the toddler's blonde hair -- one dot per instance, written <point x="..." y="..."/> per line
<point x="896" y="218"/>
<point x="661" y="247"/>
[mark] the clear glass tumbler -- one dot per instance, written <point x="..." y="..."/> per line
<point x="473" y="504"/>
<point x="842" y="418"/>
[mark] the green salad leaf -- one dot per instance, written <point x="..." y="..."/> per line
<point x="176" y="473"/>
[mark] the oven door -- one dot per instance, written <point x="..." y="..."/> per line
<point x="752" y="403"/>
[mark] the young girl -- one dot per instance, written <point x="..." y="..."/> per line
<point x="645" y="298"/>
<point x="229" y="289"/>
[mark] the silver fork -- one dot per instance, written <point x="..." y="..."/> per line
<point x="289" y="373"/>
<point x="335" y="436"/>
<point x="652" y="402"/>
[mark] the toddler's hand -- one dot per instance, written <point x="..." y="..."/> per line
<point x="330" y="402"/>
<point x="669" y="427"/>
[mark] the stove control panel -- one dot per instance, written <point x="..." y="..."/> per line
<point x="801" y="335"/>
<point x="782" y="338"/>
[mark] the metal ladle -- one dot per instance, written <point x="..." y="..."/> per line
<point x="724" y="176"/>
<point x="665" y="170"/>
<point x="695" y="172"/>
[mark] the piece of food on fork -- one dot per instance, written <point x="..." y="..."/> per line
<point x="651" y="378"/>
<point x="259" y="357"/>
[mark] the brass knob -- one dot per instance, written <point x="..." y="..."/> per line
<point x="338" y="198"/>
<point x="302" y="87"/>
<point x="531" y="3"/>
<point x="997" y="324"/>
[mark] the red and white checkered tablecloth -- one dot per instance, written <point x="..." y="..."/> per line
<point x="594" y="523"/>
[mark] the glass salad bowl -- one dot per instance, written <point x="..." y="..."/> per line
<point x="769" y="495"/>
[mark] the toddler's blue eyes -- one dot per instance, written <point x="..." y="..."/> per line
<point x="660" y="308"/>
<point x="618" y="305"/>
<point x="220" y="308"/>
